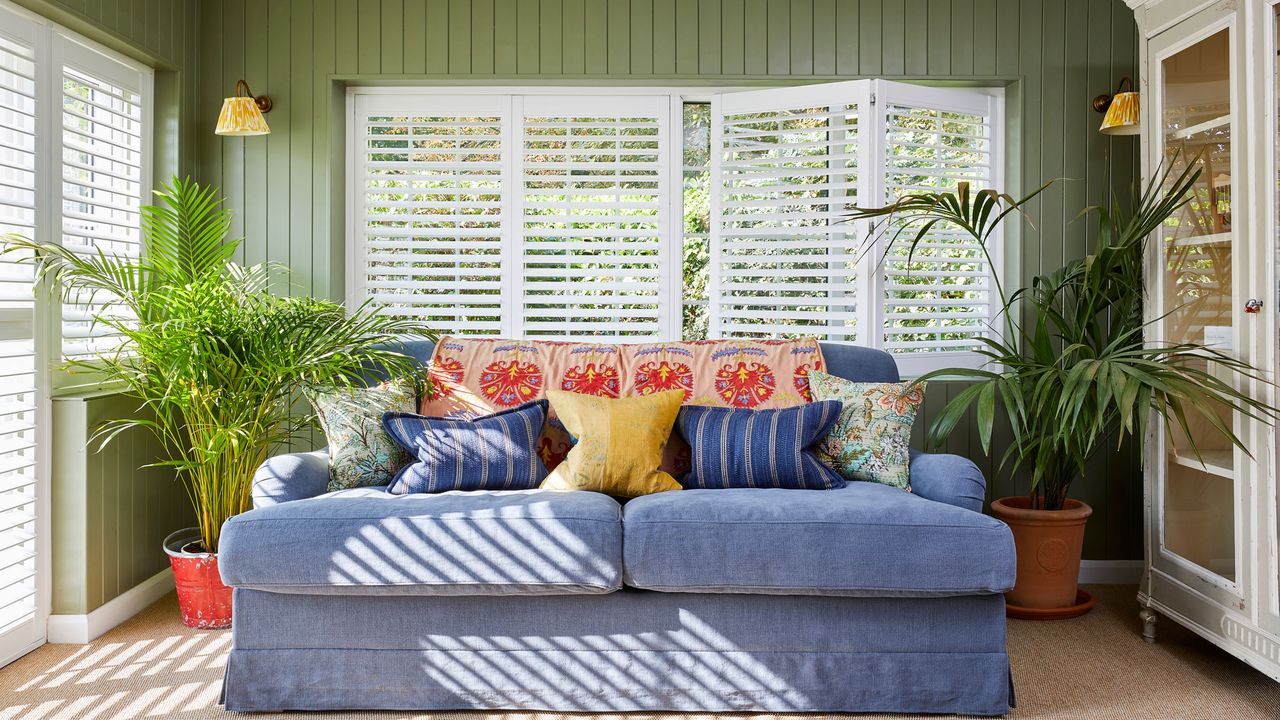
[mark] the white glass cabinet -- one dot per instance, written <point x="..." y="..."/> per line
<point x="1209" y="81"/>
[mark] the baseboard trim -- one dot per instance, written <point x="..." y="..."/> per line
<point x="82" y="629"/>
<point x="1110" y="572"/>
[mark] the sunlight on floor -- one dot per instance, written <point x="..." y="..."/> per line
<point x="93" y="667"/>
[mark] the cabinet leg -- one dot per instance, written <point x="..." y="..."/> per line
<point x="1149" y="618"/>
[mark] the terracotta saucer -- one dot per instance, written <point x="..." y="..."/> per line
<point x="1084" y="603"/>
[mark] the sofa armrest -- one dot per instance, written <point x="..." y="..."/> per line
<point x="948" y="479"/>
<point x="294" y="476"/>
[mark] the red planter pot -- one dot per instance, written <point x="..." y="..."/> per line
<point x="204" y="601"/>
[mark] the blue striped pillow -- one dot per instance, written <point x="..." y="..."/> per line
<point x="737" y="448"/>
<point x="494" y="452"/>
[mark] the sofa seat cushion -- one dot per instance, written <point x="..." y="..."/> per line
<point x="366" y="541"/>
<point x="862" y="540"/>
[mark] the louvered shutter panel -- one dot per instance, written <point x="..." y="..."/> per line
<point x="941" y="298"/>
<point x="21" y="620"/>
<point x="785" y="166"/>
<point x="17" y="164"/>
<point x="103" y="181"/>
<point x="431" y="202"/>
<point x="596" y="251"/>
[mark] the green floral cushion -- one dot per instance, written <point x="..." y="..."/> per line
<point x="361" y="453"/>
<point x="870" y="439"/>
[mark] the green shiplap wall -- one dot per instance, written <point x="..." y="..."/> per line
<point x="1053" y="55"/>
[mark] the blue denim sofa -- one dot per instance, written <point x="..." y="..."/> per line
<point x="860" y="599"/>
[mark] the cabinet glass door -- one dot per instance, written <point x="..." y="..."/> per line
<point x="1196" y="300"/>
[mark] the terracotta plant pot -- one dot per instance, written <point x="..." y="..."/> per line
<point x="1048" y="543"/>
<point x="204" y="601"/>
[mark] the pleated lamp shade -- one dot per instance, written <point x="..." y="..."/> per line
<point x="241" y="116"/>
<point x="1122" y="115"/>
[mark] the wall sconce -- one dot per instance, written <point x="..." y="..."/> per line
<point x="242" y="114"/>
<point x="1121" y="110"/>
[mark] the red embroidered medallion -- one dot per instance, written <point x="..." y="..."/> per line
<point x="801" y="380"/>
<point x="592" y="380"/>
<point x="553" y="452"/>
<point x="655" y="377"/>
<point x="746" y="385"/>
<point x="511" y="383"/>
<point x="444" y="376"/>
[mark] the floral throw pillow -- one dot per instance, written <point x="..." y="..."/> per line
<point x="361" y="453"/>
<point x="870" y="439"/>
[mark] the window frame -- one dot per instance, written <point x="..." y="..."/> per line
<point x="56" y="48"/>
<point x="70" y="50"/>
<point x="909" y="364"/>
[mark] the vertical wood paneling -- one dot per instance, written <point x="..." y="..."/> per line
<point x="301" y="125"/>
<point x="369" y="27"/>
<point x="846" y="39"/>
<point x="324" y="52"/>
<point x="916" y="34"/>
<point x="391" y="38"/>
<point x="414" y="32"/>
<point x="482" y="37"/>
<point x="437" y="43"/>
<point x="574" y="35"/>
<point x="870" y="36"/>
<point x="824" y="37"/>
<point x="278" y="143"/>
<point x="348" y="42"/>
<point x="551" y="60"/>
<point x="255" y="159"/>
<point x="938" y="21"/>
<point x="893" y="37"/>
<point x="109" y="514"/>
<point x="619" y="37"/>
<point x="1059" y="53"/>
<point x="596" y="41"/>
<point x="779" y="27"/>
<point x="460" y="55"/>
<point x="732" y="37"/>
<point x="801" y="39"/>
<point x="686" y="37"/>
<point x="756" y="34"/>
<point x="961" y="28"/>
<point x="709" y="37"/>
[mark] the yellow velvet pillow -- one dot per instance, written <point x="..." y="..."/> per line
<point x="620" y="442"/>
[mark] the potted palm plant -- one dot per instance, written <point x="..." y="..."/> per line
<point x="215" y="361"/>
<point x="1069" y="370"/>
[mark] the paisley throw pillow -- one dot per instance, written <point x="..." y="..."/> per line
<point x="361" y="453"/>
<point x="870" y="439"/>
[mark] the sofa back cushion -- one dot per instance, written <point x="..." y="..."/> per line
<point x="479" y="376"/>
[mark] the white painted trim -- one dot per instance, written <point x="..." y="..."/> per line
<point x="1110" y="572"/>
<point x="81" y="629"/>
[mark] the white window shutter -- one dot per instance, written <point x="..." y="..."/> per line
<point x="104" y="178"/>
<point x="430" y="176"/>
<point x="786" y="165"/>
<point x="21" y="611"/>
<point x="939" y="299"/>
<point x="595" y="212"/>
<point x="17" y="163"/>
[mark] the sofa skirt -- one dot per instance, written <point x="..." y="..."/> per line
<point x="627" y="651"/>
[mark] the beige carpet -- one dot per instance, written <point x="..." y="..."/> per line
<point x="1092" y="667"/>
